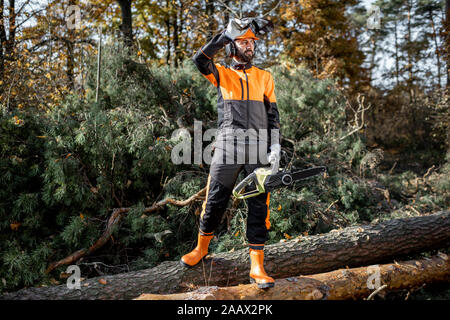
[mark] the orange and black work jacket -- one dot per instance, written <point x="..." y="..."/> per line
<point x="246" y="97"/>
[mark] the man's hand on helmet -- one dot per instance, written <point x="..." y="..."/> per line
<point x="236" y="28"/>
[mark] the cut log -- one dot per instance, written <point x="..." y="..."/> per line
<point x="353" y="247"/>
<point x="343" y="284"/>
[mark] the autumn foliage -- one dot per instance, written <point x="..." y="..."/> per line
<point x="79" y="139"/>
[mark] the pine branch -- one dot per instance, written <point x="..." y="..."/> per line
<point x="114" y="220"/>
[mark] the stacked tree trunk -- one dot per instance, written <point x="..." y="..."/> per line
<point x="343" y="284"/>
<point x="350" y="247"/>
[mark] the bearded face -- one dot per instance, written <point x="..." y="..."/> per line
<point x="245" y="50"/>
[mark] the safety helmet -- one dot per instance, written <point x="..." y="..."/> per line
<point x="248" y="35"/>
<point x="255" y="26"/>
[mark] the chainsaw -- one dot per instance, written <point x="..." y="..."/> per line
<point x="266" y="180"/>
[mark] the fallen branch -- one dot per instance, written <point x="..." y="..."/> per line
<point x="373" y="294"/>
<point x="357" y="125"/>
<point x="74" y="257"/>
<point x="114" y="220"/>
<point x="342" y="284"/>
<point x="180" y="203"/>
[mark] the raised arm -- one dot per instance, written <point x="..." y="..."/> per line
<point x="203" y="59"/>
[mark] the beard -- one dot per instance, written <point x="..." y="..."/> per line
<point x="246" y="56"/>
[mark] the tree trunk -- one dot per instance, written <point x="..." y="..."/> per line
<point x="373" y="41"/>
<point x="70" y="63"/>
<point x="2" y="42"/>
<point x="167" y="22"/>
<point x="127" y="22"/>
<point x="175" y="35"/>
<point x="436" y="45"/>
<point x="352" y="247"/>
<point x="210" y="14"/>
<point x="7" y="43"/>
<point x="409" y="47"/>
<point x="70" y="46"/>
<point x="447" y="39"/>
<point x="10" y="43"/>
<point x="342" y="284"/>
<point x="397" y="68"/>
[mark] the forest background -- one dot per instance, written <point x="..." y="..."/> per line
<point x="91" y="92"/>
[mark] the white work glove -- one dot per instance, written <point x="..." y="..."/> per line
<point x="236" y="28"/>
<point x="274" y="157"/>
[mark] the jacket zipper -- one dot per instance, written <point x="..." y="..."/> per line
<point x="242" y="89"/>
<point x="248" y="95"/>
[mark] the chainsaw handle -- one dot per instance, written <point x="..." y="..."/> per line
<point x="275" y="167"/>
<point x="237" y="191"/>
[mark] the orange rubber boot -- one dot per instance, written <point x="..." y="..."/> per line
<point x="257" y="273"/>
<point x="201" y="250"/>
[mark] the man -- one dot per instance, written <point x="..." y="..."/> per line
<point x="246" y="101"/>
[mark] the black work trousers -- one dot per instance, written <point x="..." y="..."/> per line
<point x="221" y="181"/>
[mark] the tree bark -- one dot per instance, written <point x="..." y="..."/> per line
<point x="447" y="39"/>
<point x="397" y="68"/>
<point x="352" y="247"/>
<point x="127" y="22"/>
<point x="168" y="23"/>
<point x="410" y="80"/>
<point x="2" y="42"/>
<point x="7" y="44"/>
<point x="10" y="43"/>
<point x="211" y="21"/>
<point x="342" y="284"/>
<point x="436" y="45"/>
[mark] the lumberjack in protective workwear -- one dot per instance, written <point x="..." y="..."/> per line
<point x="246" y="100"/>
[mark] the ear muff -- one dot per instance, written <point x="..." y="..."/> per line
<point x="230" y="49"/>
